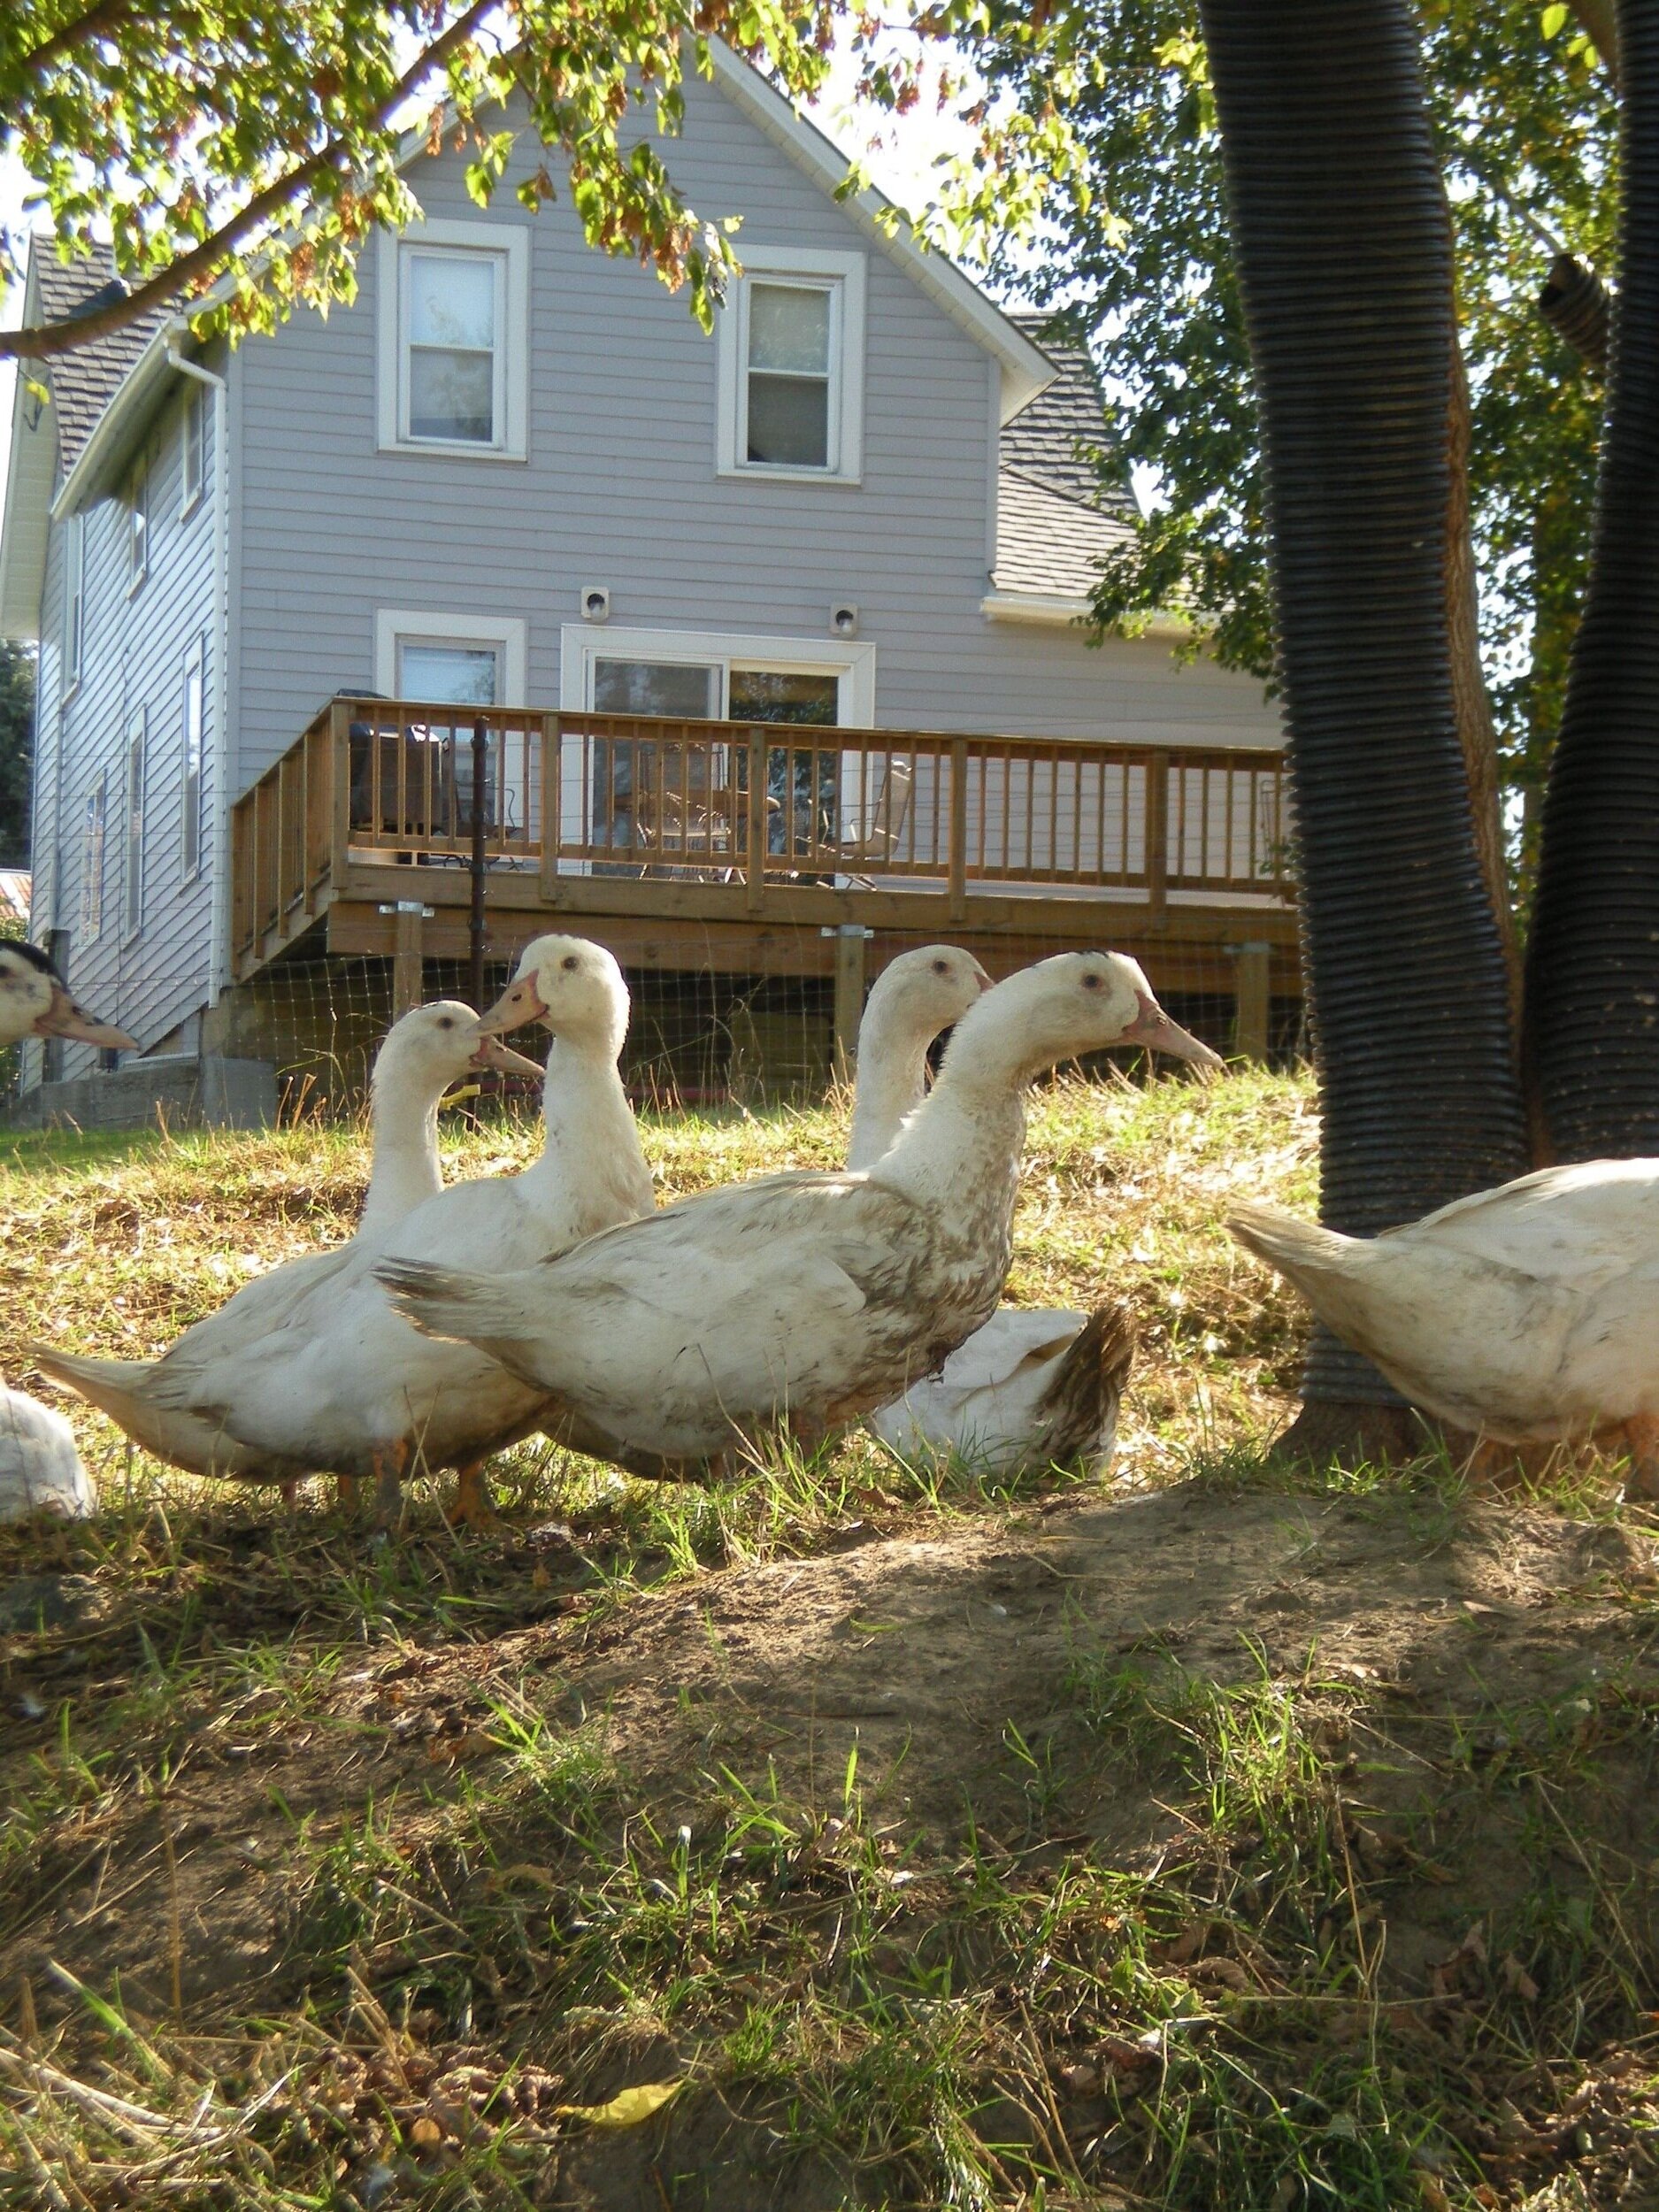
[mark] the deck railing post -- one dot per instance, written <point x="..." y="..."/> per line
<point x="1252" y="1000"/>
<point x="339" y="769"/>
<point x="850" y="938"/>
<point x="956" y="881"/>
<point x="1158" y="838"/>
<point x="754" y="858"/>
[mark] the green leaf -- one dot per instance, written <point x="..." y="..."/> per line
<point x="1553" y="20"/>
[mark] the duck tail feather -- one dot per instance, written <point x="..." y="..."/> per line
<point x="100" y="1381"/>
<point x="1080" y="1406"/>
<point x="447" y="1302"/>
<point x="1293" y="1247"/>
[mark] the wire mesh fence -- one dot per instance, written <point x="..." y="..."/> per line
<point x="702" y="1036"/>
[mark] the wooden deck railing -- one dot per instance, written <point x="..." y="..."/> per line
<point x="570" y="794"/>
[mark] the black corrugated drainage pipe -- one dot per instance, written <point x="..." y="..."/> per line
<point x="1592" y="959"/>
<point x="1342" y="244"/>
<point x="1575" y="304"/>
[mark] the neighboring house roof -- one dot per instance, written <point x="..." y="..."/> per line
<point x="1058" y="509"/>
<point x="14" y="895"/>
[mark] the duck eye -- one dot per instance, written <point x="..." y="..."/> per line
<point x="446" y="1021"/>
<point x="568" y="962"/>
<point x="941" y="967"/>
<point x="1091" y="981"/>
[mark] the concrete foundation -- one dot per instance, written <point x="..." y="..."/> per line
<point x="186" y="1090"/>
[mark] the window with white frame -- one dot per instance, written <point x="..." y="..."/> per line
<point x="193" y="459"/>
<point x="137" y="742"/>
<point x="92" y="829"/>
<point x="791" y="368"/>
<point x="74" y="598"/>
<point x="450" y="659"/>
<point x="193" y="761"/>
<point x="454" y="339"/>
<point x="138" y="524"/>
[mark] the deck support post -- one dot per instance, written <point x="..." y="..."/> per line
<point x="408" y="985"/>
<point x="1252" y="1001"/>
<point x="850" y="938"/>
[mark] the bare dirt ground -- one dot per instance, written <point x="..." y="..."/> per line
<point x="1465" y="1692"/>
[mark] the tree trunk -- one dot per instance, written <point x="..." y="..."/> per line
<point x="1343" y="246"/>
<point x="1593" y="963"/>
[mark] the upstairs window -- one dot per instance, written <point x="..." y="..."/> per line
<point x="138" y="526"/>
<point x="193" y="462"/>
<point x="791" y="368"/>
<point x="453" y="340"/>
<point x="788" y="389"/>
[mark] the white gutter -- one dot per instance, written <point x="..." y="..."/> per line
<point x="1055" y="611"/>
<point x="219" y="926"/>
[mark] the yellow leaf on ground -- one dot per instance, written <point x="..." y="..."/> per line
<point x="626" y="2109"/>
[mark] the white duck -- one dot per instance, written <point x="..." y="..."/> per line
<point x="420" y="1058"/>
<point x="40" y="1468"/>
<point x="804" y="1300"/>
<point x="345" y="1385"/>
<point x="1526" y="1314"/>
<point x="1036" y="1386"/>
<point x="34" y="1002"/>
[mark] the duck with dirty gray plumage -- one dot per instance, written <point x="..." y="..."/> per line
<point x="1038" y="1385"/>
<point x="802" y="1301"/>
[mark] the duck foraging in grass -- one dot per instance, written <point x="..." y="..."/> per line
<point x="34" y="1002"/>
<point x="1036" y="1386"/>
<point x="1526" y="1314"/>
<point x="803" y="1300"/>
<point x="420" y="1058"/>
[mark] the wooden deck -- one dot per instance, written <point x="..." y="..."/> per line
<point x="772" y="849"/>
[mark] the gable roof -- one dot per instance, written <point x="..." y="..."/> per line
<point x="100" y="392"/>
<point x="1026" y="367"/>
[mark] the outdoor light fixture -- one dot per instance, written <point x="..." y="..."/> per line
<point x="595" y="603"/>
<point x="844" y="619"/>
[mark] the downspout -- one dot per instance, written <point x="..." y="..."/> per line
<point x="219" y="934"/>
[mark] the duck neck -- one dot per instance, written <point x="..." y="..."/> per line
<point x="592" y="1140"/>
<point x="891" y="1082"/>
<point x="961" y="1147"/>
<point x="405" y="1171"/>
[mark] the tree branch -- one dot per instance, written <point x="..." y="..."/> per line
<point x="93" y="24"/>
<point x="1599" y="20"/>
<point x="41" y="341"/>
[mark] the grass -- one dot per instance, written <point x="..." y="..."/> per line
<point x="346" y="1874"/>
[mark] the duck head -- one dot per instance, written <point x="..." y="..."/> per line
<point x="922" y="992"/>
<point x="573" y="987"/>
<point x="1074" y="1002"/>
<point x="34" y="1002"/>
<point x="436" y="1045"/>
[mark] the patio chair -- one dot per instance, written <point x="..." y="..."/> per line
<point x="885" y="824"/>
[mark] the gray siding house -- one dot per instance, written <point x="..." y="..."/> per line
<point x="514" y="473"/>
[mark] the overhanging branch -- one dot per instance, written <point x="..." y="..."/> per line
<point x="42" y="341"/>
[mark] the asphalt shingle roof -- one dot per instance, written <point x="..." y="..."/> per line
<point x="85" y="380"/>
<point x="1057" y="514"/>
